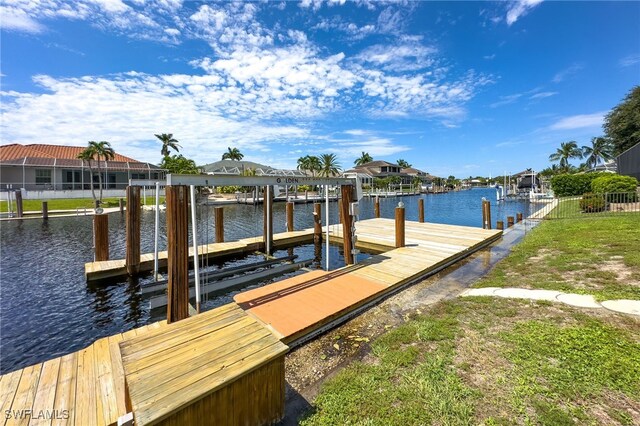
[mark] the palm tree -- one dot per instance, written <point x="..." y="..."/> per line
<point x="566" y="151"/>
<point x="329" y="165"/>
<point x="168" y="142"/>
<point x="601" y="149"/>
<point x="86" y="156"/>
<point x="101" y="149"/>
<point x="363" y="159"/>
<point x="402" y="163"/>
<point x="233" y="154"/>
<point x="315" y="165"/>
<point x="303" y="163"/>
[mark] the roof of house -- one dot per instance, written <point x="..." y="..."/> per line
<point x="60" y="155"/>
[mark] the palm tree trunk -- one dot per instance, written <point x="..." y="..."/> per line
<point x="93" y="192"/>
<point x="100" y="177"/>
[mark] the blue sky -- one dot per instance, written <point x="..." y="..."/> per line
<point x="461" y="88"/>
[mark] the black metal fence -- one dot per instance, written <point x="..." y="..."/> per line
<point x="591" y="205"/>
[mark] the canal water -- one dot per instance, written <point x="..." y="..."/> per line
<point x="47" y="309"/>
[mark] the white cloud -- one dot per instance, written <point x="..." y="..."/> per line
<point x="579" y="121"/>
<point x="629" y="60"/>
<point x="519" y="8"/>
<point x="567" y="72"/>
<point x="399" y="57"/>
<point x="542" y="95"/>
<point x="18" y="20"/>
<point x="489" y="57"/>
<point x="506" y="100"/>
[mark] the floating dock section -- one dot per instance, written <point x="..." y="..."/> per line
<point x="226" y="366"/>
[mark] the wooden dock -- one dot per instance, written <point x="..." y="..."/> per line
<point x="198" y="368"/>
<point x="298" y="307"/>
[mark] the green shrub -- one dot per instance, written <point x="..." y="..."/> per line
<point x="617" y="187"/>
<point x="229" y="189"/>
<point x="591" y="203"/>
<point x="569" y="185"/>
<point x="303" y="188"/>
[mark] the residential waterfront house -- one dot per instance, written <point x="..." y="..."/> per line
<point x="54" y="171"/>
<point x="384" y="169"/>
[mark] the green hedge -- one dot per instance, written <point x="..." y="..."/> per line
<point x="570" y="185"/>
<point x="614" y="183"/>
<point x="591" y="203"/>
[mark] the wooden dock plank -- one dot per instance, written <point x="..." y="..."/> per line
<point x="66" y="391"/>
<point x="25" y="395"/>
<point x="105" y="385"/>
<point x="86" y="406"/>
<point x="8" y="386"/>
<point x="46" y="393"/>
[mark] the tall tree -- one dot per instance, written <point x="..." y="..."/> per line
<point x="402" y="163"/>
<point x="329" y="165"/>
<point x="622" y="124"/>
<point x="86" y="156"/>
<point x="303" y="163"/>
<point x="233" y="154"/>
<point x="601" y="150"/>
<point x="566" y="151"/>
<point x="102" y="149"/>
<point x="363" y="159"/>
<point x="315" y="165"/>
<point x="168" y="141"/>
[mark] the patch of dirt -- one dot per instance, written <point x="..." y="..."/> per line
<point x="622" y="271"/>
<point x="616" y="401"/>
<point x="543" y="254"/>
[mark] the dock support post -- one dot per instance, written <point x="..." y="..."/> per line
<point x="421" y="210"/>
<point x="317" y="222"/>
<point x="121" y="205"/>
<point x="133" y="230"/>
<point x="500" y="225"/>
<point x="509" y="221"/>
<point x="340" y="210"/>
<point x="19" y="208"/>
<point x="486" y="214"/>
<point x="518" y="217"/>
<point x="376" y="207"/>
<point x="400" y="234"/>
<point x="347" y="223"/>
<point x="101" y="237"/>
<point x="289" y="216"/>
<point x="267" y="216"/>
<point x="218" y="214"/>
<point x="177" y="198"/>
<point x="45" y="210"/>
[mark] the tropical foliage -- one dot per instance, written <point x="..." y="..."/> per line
<point x="329" y="165"/>
<point x="403" y="163"/>
<point x="566" y="151"/>
<point x="168" y="142"/>
<point x="309" y="163"/>
<point x="622" y="124"/>
<point x="178" y="164"/>
<point x="233" y="154"/>
<point x="96" y="151"/>
<point x="363" y="159"/>
<point x="600" y="151"/>
<point x="566" y="185"/>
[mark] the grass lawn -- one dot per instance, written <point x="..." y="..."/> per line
<point x="497" y="361"/>
<point x="68" y="204"/>
<point x="597" y="255"/>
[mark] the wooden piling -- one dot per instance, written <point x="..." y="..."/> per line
<point x="218" y="214"/>
<point x="177" y="200"/>
<point x="45" y="210"/>
<point x="19" y="209"/>
<point x="347" y="223"/>
<point x="486" y="214"/>
<point x="400" y="232"/>
<point x="340" y="210"/>
<point x="317" y="222"/>
<point x="132" y="220"/>
<point x="376" y="208"/>
<point x="509" y="221"/>
<point x="101" y="237"/>
<point x="267" y="220"/>
<point x="121" y="205"/>
<point x="96" y="204"/>
<point x="421" y="210"/>
<point x="289" y="212"/>
<point x="518" y="217"/>
<point x="500" y="225"/>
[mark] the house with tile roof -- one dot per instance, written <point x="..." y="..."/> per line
<point x="384" y="169"/>
<point x="41" y="167"/>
